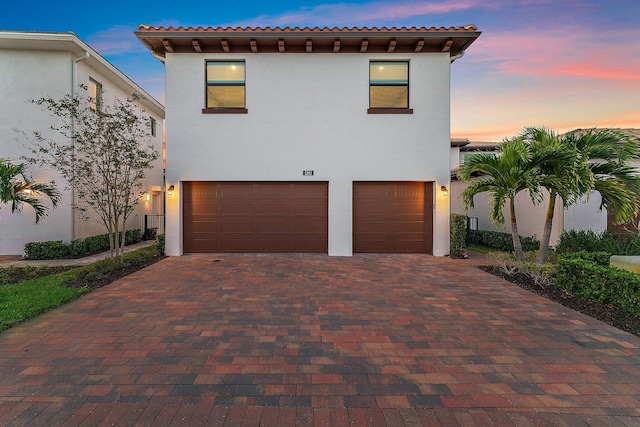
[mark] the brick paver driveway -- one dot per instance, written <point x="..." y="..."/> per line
<point x="243" y="340"/>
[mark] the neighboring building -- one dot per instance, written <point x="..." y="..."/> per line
<point x="36" y="65"/>
<point x="581" y="216"/>
<point x="307" y="140"/>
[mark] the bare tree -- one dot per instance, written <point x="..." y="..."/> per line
<point x="103" y="153"/>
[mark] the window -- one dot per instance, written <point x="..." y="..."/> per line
<point x="225" y="86"/>
<point x="152" y="123"/>
<point x="95" y="95"/>
<point x="389" y="87"/>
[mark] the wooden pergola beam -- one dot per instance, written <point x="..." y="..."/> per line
<point x="419" y="46"/>
<point x="447" y="45"/>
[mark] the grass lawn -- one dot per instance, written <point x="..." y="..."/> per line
<point x="32" y="296"/>
<point x="481" y="249"/>
<point x="24" y="300"/>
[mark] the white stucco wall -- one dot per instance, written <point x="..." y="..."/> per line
<point x="581" y="216"/>
<point x="586" y="215"/>
<point x="31" y="74"/>
<point x="309" y="112"/>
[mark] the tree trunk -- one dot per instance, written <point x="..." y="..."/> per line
<point x="517" y="246"/>
<point x="541" y="256"/>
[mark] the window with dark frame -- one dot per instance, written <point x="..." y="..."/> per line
<point x="389" y="85"/>
<point x="225" y="85"/>
<point x="95" y="95"/>
<point x="152" y="123"/>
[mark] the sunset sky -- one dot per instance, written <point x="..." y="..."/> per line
<point x="564" y="64"/>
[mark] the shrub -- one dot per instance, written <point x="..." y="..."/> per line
<point x="541" y="274"/>
<point x="53" y="249"/>
<point x="150" y="233"/>
<point x="160" y="243"/>
<point x="503" y="260"/>
<point x="503" y="241"/>
<point x="458" y="235"/>
<point x="584" y="275"/>
<point x="133" y="236"/>
<point x="76" y="248"/>
<point x="108" y="266"/>
<point x="590" y="241"/>
<point x="599" y="258"/>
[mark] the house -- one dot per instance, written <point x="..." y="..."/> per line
<point x="330" y="140"/>
<point x="585" y="215"/>
<point x="39" y="64"/>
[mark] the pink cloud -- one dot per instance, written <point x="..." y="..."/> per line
<point x="568" y="51"/>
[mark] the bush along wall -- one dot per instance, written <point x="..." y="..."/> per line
<point x="57" y="249"/>
<point x="503" y="241"/>
<point x="458" y="235"/>
<point x="589" y="275"/>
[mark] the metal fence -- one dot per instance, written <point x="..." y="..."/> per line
<point x="151" y="225"/>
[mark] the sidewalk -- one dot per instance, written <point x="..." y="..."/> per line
<point x="18" y="261"/>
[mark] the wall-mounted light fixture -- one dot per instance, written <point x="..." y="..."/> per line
<point x="147" y="197"/>
<point x="444" y="190"/>
<point x="26" y="191"/>
<point x="170" y="190"/>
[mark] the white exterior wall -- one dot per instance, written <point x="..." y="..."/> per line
<point x="31" y="74"/>
<point x="586" y="215"/>
<point x="20" y="82"/>
<point x="309" y="112"/>
<point x="581" y="216"/>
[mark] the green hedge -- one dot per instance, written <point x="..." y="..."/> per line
<point x="77" y="248"/>
<point x="503" y="241"/>
<point x="458" y="234"/>
<point x="587" y="275"/>
<point x="590" y="241"/>
<point x="160" y="243"/>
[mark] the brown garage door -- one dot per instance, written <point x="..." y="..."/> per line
<point x="392" y="217"/>
<point x="255" y="217"/>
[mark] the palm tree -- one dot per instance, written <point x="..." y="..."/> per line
<point x="574" y="165"/>
<point x="18" y="188"/>
<point x="505" y="174"/>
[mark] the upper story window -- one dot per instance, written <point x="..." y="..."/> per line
<point x="95" y="95"/>
<point x="153" y="124"/>
<point x="389" y="87"/>
<point x="225" y="87"/>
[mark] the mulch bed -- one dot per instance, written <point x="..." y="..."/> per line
<point x="19" y="274"/>
<point x="605" y="313"/>
<point x="112" y="276"/>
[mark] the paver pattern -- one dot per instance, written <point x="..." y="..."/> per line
<point x="260" y="340"/>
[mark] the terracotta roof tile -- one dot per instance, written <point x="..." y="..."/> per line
<point x="162" y="40"/>
<point x="150" y="28"/>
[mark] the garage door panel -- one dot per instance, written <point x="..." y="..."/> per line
<point x="270" y="208"/>
<point x="307" y="208"/>
<point x="255" y="217"/>
<point x="227" y="190"/>
<point x="232" y="245"/>
<point x="235" y="226"/>
<point x="270" y="227"/>
<point x="311" y="228"/>
<point x="392" y="217"/>
<point x="366" y="226"/>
